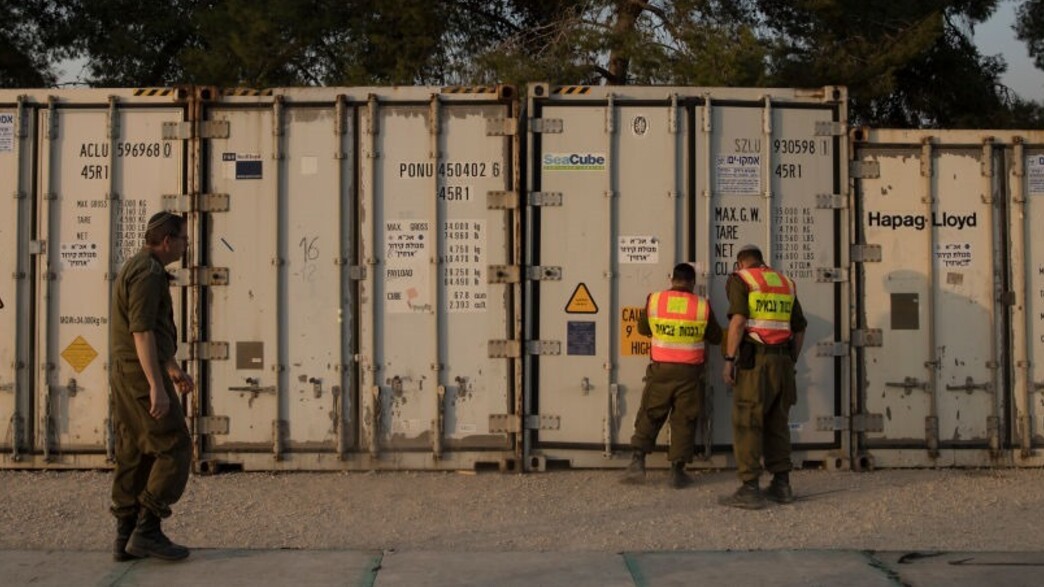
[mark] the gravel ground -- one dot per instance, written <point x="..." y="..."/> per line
<point x="971" y="510"/>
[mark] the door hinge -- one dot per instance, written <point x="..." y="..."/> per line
<point x="831" y="201"/>
<point x="201" y="276"/>
<point x="202" y="350"/>
<point x="546" y="125"/>
<point x="545" y="199"/>
<point x="212" y="425"/>
<point x="501" y="200"/>
<point x="831" y="274"/>
<point x="866" y="253"/>
<point x="196" y="203"/>
<point x="504" y="349"/>
<point x="832" y="349"/>
<point x="508" y="423"/>
<point x="867" y="337"/>
<point x="830" y="128"/>
<point x="501" y="127"/>
<point x="864" y="169"/>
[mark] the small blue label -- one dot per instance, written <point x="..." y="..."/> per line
<point x="580" y="338"/>
<point x="248" y="170"/>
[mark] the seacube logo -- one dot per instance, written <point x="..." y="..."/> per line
<point x="920" y="222"/>
<point x="574" y="161"/>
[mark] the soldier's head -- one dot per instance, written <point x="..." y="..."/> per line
<point x="683" y="276"/>
<point x="167" y="236"/>
<point x="749" y="256"/>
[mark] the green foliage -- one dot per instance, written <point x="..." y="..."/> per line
<point x="905" y="63"/>
<point x="30" y="43"/>
<point x="1029" y="27"/>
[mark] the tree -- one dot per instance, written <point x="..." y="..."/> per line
<point x="29" y="44"/>
<point x="1029" y="27"/>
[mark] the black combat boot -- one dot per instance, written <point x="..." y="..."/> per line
<point x="148" y="540"/>
<point x="124" y="528"/>
<point x="678" y="478"/>
<point x="779" y="490"/>
<point x="747" y="497"/>
<point x="635" y="472"/>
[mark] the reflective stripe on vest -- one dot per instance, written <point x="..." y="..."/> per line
<point x="770" y="302"/>
<point x="678" y="321"/>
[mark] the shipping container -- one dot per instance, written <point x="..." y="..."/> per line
<point x="948" y="296"/>
<point x="368" y="236"/>
<point x="86" y="168"/>
<point x="625" y="182"/>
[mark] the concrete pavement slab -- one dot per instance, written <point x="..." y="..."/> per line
<point x="503" y="569"/>
<point x="204" y="567"/>
<point x="777" y="568"/>
<point x="965" y="569"/>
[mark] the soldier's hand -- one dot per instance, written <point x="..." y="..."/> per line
<point x="728" y="372"/>
<point x="182" y="380"/>
<point x="160" y="403"/>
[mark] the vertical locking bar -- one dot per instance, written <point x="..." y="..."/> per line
<point x="370" y="375"/>
<point x="766" y="174"/>
<point x="990" y="183"/>
<point x="1021" y="348"/>
<point x="345" y="220"/>
<point x="932" y="421"/>
<point x="282" y="376"/>
<point x="435" y="134"/>
<point x="612" y="269"/>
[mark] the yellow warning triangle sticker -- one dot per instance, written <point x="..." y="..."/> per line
<point x="581" y="301"/>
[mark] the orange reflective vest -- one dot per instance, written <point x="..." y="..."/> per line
<point x="770" y="301"/>
<point x="678" y="321"/>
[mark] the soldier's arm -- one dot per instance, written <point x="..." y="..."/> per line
<point x="643" y="320"/>
<point x="714" y="334"/>
<point x="798" y="324"/>
<point x="145" y="346"/>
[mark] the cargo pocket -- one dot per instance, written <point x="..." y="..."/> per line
<point x="746" y="415"/>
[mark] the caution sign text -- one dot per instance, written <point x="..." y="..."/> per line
<point x="632" y="344"/>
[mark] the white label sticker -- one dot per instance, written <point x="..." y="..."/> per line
<point x="1035" y="174"/>
<point x="79" y="255"/>
<point x="953" y="255"/>
<point x="6" y="132"/>
<point x="738" y="174"/>
<point x="639" y="249"/>
<point x="407" y="274"/>
<point x="463" y="273"/>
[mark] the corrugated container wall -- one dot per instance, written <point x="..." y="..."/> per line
<point x="626" y="182"/>
<point x="949" y="296"/>
<point x="363" y="236"/>
<point x="85" y="168"/>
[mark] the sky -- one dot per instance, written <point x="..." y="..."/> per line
<point x="996" y="36"/>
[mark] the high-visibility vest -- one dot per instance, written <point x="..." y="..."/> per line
<point x="678" y="321"/>
<point x="770" y="301"/>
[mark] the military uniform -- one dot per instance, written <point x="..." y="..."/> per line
<point x="153" y="456"/>
<point x="672" y="390"/>
<point x="763" y="394"/>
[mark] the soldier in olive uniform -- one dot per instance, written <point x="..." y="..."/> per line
<point x="680" y="323"/>
<point x="765" y="335"/>
<point x="153" y="447"/>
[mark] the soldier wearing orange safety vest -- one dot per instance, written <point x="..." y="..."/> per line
<point x="766" y="332"/>
<point x="680" y="324"/>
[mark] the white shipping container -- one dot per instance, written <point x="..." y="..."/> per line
<point x="359" y="238"/>
<point x="625" y="183"/>
<point x="89" y="167"/>
<point x="944" y="223"/>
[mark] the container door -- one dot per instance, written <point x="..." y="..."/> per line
<point x="286" y="311"/>
<point x="1026" y="178"/>
<point x="770" y="175"/>
<point x="929" y="209"/>
<point x="17" y="141"/>
<point x="437" y="304"/>
<point x="104" y="168"/>
<point x="607" y="227"/>
<point x="627" y="184"/>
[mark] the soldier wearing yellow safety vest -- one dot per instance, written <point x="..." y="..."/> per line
<point x="681" y="324"/>
<point x="766" y="331"/>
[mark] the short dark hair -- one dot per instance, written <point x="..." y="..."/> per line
<point x="162" y="225"/>
<point x="683" y="272"/>
<point x="750" y="253"/>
